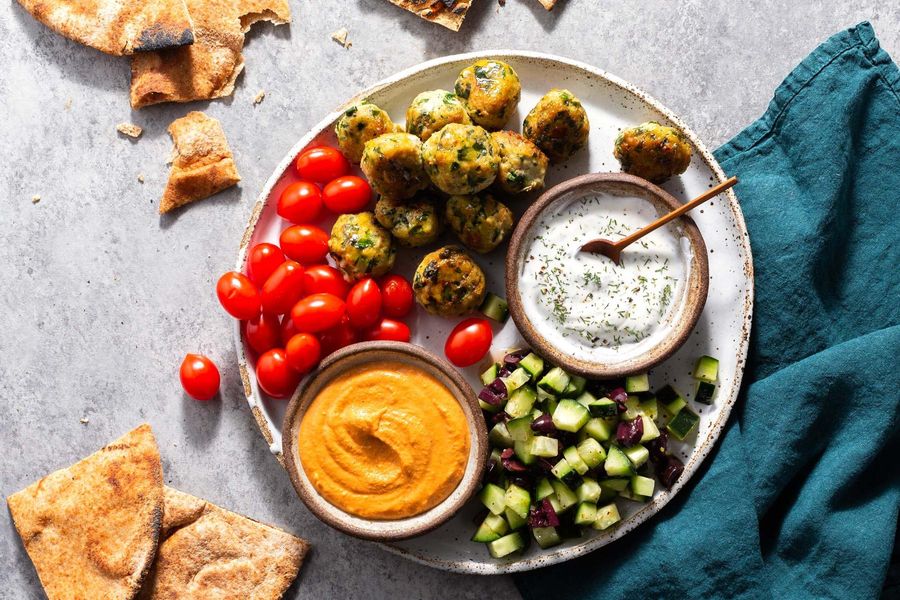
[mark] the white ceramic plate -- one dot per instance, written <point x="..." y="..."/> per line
<point x="723" y="330"/>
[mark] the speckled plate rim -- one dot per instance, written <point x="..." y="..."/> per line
<point x="703" y="447"/>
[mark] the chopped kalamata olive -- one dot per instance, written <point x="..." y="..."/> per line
<point x="494" y="393"/>
<point x="669" y="470"/>
<point x="658" y="447"/>
<point x="619" y="396"/>
<point x="542" y="514"/>
<point x="629" y="433"/>
<point x="523" y="480"/>
<point x="543" y="424"/>
<point x="542" y="464"/>
<point x="500" y="417"/>
<point x="510" y="463"/>
<point x="512" y="359"/>
<point x="504" y="371"/>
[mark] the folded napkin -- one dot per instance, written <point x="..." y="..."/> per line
<point x="800" y="498"/>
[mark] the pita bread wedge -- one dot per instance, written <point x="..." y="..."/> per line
<point x="209" y="552"/>
<point x="117" y="26"/>
<point x="92" y="529"/>
<point x="548" y="4"/>
<point x="449" y="13"/>
<point x="202" y="164"/>
<point x="208" y="68"/>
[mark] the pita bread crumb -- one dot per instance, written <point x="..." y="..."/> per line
<point x="84" y="420"/>
<point x="341" y="37"/>
<point x="449" y="13"/>
<point x="130" y="129"/>
<point x="35" y="199"/>
<point x="260" y="96"/>
<point x="140" y="178"/>
<point x="548" y="4"/>
<point x="68" y="104"/>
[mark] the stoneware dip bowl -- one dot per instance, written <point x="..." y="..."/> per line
<point x="673" y="333"/>
<point x="347" y="360"/>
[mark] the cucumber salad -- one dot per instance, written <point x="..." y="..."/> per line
<point x="565" y="451"/>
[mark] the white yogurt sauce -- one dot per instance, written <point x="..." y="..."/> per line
<point x="585" y="304"/>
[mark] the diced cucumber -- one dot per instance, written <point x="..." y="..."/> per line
<point x="632" y="408"/>
<point x="506" y="545"/>
<point x="570" y="415"/>
<point x="591" y="452"/>
<point x="514" y="520"/>
<point x="551" y="403"/>
<point x="543" y="489"/>
<point x="671" y="400"/>
<point x="497" y="523"/>
<point x="485" y="534"/>
<point x="523" y="452"/>
<point x="516" y="379"/>
<point x="586" y="514"/>
<point x="521" y="401"/>
<point x="707" y="369"/>
<point x="616" y="484"/>
<point x="607" y="516"/>
<point x="651" y="431"/>
<point x="490" y="374"/>
<point x="499" y="436"/>
<point x="603" y="407"/>
<point x="627" y="493"/>
<point x="554" y="502"/>
<point x="648" y="406"/>
<point x="495" y="456"/>
<point x="606" y="495"/>
<point x="637" y="454"/>
<point x="705" y="392"/>
<point x="488" y="407"/>
<point x="535" y="413"/>
<point x="518" y="499"/>
<point x="635" y="384"/>
<point x="575" y="387"/>
<point x="520" y="429"/>
<point x="494" y="307"/>
<point x="534" y="364"/>
<point x="564" y="471"/>
<point x="600" y="429"/>
<point x="683" y="423"/>
<point x="564" y="495"/>
<point x="585" y="399"/>
<point x="546" y="536"/>
<point x="617" y="463"/>
<point x="493" y="497"/>
<point x="555" y="381"/>
<point x="574" y="459"/>
<point x="642" y="486"/>
<point x="543" y="395"/>
<point x="588" y="491"/>
<point x="545" y="446"/>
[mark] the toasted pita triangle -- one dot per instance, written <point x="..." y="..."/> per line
<point x="117" y="26"/>
<point x="209" y="552"/>
<point x="91" y="529"/>
<point x="449" y="13"/>
<point x="548" y="4"/>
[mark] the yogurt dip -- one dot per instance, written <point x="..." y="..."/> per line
<point x="584" y="304"/>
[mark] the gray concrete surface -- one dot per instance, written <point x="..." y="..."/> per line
<point x="101" y="298"/>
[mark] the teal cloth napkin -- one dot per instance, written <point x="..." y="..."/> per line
<point x="800" y="498"/>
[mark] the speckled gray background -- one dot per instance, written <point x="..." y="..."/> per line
<point x="100" y="297"/>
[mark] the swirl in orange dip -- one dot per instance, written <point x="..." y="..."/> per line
<point x="386" y="441"/>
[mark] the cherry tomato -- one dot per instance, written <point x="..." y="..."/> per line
<point x="199" y="377"/>
<point x="321" y="164"/>
<point x="283" y="288"/>
<point x="303" y="352"/>
<point x="469" y="342"/>
<point x="275" y="375"/>
<point x="325" y="279"/>
<point x="397" y="296"/>
<point x="364" y="303"/>
<point x="300" y="202"/>
<point x="337" y="337"/>
<point x="348" y="194"/>
<point x="304" y="243"/>
<point x="262" y="262"/>
<point x="318" y="312"/>
<point x="387" y="329"/>
<point x="287" y="329"/>
<point x="238" y="296"/>
<point x="263" y="332"/>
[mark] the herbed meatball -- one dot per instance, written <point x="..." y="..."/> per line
<point x="393" y="165"/>
<point x="480" y="222"/>
<point x="558" y="125"/>
<point x="522" y="164"/>
<point x="360" y="123"/>
<point x="412" y="223"/>
<point x="490" y="90"/>
<point x="449" y="283"/>
<point x="430" y="111"/>
<point x="461" y="159"/>
<point x="653" y="151"/>
<point x="360" y="246"/>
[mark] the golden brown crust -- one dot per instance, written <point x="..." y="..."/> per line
<point x="117" y="26"/>
<point x="209" y="67"/>
<point x="548" y="4"/>
<point x="203" y="163"/>
<point x="91" y="529"/>
<point x="209" y="552"/>
<point x="450" y="15"/>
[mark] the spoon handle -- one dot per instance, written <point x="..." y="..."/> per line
<point x="711" y="192"/>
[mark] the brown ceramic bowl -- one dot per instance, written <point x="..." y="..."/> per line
<point x="695" y="291"/>
<point x="350" y="358"/>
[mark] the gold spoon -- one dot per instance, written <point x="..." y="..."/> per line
<point x="613" y="250"/>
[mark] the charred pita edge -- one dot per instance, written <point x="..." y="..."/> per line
<point x="449" y="13"/>
<point x="159" y="37"/>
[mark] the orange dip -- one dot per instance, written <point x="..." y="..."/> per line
<point x="386" y="441"/>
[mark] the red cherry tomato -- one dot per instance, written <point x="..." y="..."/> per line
<point x="348" y="194"/>
<point x="469" y="342"/>
<point x="321" y="164"/>
<point x="397" y="296"/>
<point x="303" y="352"/>
<point x="387" y="329"/>
<point x="199" y="377"/>
<point x="324" y="279"/>
<point x="262" y="261"/>
<point x="300" y="202"/>
<point x="337" y="337"/>
<point x="263" y="332"/>
<point x="238" y="296"/>
<point x="364" y="303"/>
<point x="275" y="375"/>
<point x="283" y="288"/>
<point x="318" y="313"/>
<point x="287" y="329"/>
<point x="304" y="243"/>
